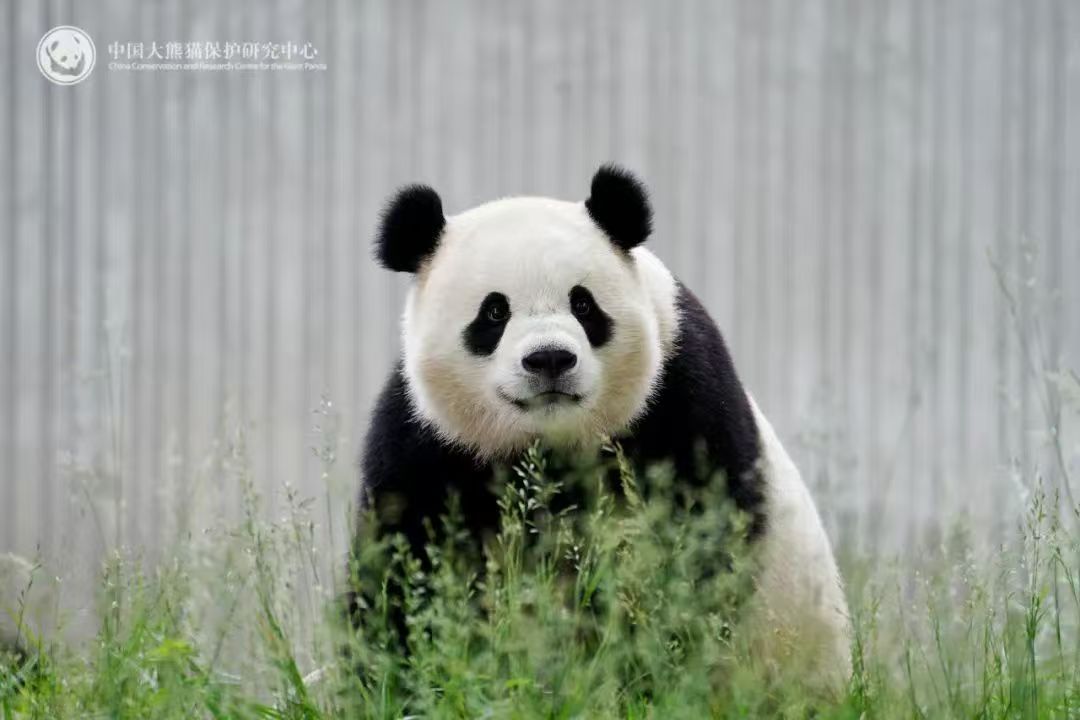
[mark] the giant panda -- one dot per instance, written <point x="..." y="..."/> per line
<point x="534" y="318"/>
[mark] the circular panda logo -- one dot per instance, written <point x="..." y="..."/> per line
<point x="66" y="55"/>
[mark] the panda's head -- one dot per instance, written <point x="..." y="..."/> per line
<point x="530" y="317"/>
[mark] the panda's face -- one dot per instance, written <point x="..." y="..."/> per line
<point x="528" y="322"/>
<point x="530" y="317"/>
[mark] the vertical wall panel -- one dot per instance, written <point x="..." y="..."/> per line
<point x="9" y="297"/>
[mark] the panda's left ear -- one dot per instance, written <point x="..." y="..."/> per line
<point x="619" y="204"/>
<point x="409" y="231"/>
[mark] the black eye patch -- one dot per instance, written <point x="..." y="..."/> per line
<point x="482" y="335"/>
<point x="596" y="323"/>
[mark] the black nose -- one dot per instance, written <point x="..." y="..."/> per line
<point x="550" y="363"/>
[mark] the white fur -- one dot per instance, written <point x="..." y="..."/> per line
<point x="800" y="619"/>
<point x="533" y="250"/>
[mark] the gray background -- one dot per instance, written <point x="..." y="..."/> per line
<point x="186" y="254"/>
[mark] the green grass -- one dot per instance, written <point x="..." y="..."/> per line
<point x="607" y="610"/>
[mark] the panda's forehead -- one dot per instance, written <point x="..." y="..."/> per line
<point x="520" y="225"/>
<point x="532" y="247"/>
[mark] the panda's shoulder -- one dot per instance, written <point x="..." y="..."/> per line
<point x="698" y="396"/>
<point x="400" y="449"/>
<point x="700" y="370"/>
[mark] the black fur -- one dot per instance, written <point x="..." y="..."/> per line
<point x="700" y="405"/>
<point x="699" y="418"/>
<point x="596" y="323"/>
<point x="410" y="228"/>
<point x="409" y="473"/>
<point x="619" y="204"/>
<point x="483" y="334"/>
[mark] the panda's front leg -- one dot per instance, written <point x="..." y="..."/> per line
<point x="408" y="476"/>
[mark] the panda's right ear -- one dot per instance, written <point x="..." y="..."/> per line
<point x="619" y="204"/>
<point x="410" y="228"/>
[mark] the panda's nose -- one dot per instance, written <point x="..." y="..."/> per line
<point x="549" y="363"/>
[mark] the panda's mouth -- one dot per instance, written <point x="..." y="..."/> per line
<point x="545" y="399"/>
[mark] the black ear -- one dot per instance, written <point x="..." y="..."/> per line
<point x="410" y="228"/>
<point x="619" y="204"/>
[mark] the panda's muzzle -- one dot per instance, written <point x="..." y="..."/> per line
<point x="547" y="368"/>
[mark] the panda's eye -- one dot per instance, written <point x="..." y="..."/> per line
<point x="497" y="310"/>
<point x="580" y="305"/>
<point x="590" y="315"/>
